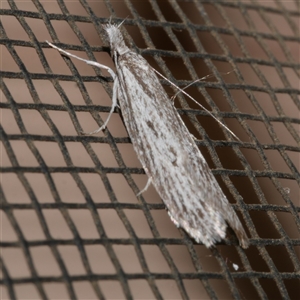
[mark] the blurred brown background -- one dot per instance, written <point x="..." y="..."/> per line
<point x="102" y="258"/>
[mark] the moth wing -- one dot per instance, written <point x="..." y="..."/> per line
<point x="170" y="156"/>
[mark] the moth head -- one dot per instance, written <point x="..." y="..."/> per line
<point x="115" y="38"/>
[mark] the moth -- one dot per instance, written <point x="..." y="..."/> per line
<point x="165" y="148"/>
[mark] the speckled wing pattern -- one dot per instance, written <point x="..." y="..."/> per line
<point x="167" y="151"/>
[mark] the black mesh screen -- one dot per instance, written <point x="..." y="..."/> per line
<point x="72" y="226"/>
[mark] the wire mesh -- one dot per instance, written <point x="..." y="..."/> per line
<point x="72" y="226"/>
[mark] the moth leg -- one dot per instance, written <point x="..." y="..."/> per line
<point x="146" y="187"/>
<point x="113" y="106"/>
<point x="109" y="70"/>
<point x="193" y="137"/>
<point x="89" y="62"/>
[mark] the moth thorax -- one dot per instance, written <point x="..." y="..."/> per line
<point x="116" y="39"/>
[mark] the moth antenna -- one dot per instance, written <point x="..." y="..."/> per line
<point x="119" y="25"/>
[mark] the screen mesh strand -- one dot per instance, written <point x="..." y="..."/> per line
<point x="71" y="224"/>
